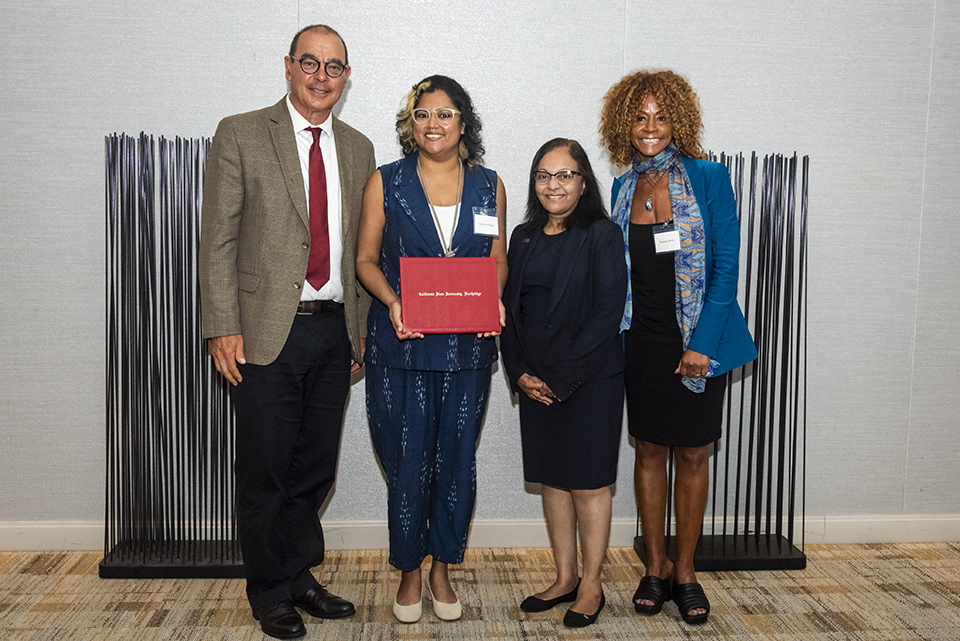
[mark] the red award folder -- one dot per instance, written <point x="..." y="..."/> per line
<point x="449" y="295"/>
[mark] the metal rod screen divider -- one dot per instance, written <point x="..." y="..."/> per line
<point x="758" y="468"/>
<point x="169" y="422"/>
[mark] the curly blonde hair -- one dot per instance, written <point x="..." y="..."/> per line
<point x="624" y="101"/>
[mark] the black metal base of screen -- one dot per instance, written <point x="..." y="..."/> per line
<point x="716" y="553"/>
<point x="173" y="560"/>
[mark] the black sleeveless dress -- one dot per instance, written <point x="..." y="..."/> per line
<point x="660" y="409"/>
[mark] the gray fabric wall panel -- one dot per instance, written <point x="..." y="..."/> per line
<point x="932" y="479"/>
<point x="850" y="84"/>
<point x="122" y="67"/>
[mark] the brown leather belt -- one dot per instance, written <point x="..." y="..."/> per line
<point x="311" y="307"/>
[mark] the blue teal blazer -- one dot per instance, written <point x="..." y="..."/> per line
<point x="409" y="230"/>
<point x="721" y="333"/>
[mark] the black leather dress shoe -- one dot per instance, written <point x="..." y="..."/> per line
<point x="320" y="603"/>
<point x="280" y="620"/>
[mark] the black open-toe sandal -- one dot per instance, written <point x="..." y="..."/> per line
<point x="690" y="596"/>
<point x="651" y="588"/>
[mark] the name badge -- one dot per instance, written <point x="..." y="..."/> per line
<point x="666" y="238"/>
<point x="485" y="221"/>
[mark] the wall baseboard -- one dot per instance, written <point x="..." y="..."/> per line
<point x="509" y="533"/>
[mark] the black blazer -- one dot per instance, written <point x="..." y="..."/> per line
<point x="583" y="319"/>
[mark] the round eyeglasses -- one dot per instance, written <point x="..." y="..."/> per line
<point x="445" y="115"/>
<point x="311" y="66"/>
<point x="563" y="177"/>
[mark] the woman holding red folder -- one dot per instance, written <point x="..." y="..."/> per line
<point x="426" y="395"/>
<point x="562" y="354"/>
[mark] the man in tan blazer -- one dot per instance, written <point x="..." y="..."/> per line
<point x="286" y="318"/>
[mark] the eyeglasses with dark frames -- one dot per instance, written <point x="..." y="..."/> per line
<point x="311" y="66"/>
<point x="563" y="177"/>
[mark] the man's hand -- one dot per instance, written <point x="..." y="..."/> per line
<point x="354" y="365"/>
<point x="227" y="351"/>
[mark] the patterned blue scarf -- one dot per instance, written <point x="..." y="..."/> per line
<point x="691" y="256"/>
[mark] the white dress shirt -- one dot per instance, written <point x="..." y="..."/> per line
<point x="333" y="289"/>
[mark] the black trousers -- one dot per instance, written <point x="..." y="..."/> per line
<point x="289" y="420"/>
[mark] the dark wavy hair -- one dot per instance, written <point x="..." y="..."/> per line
<point x="471" y="146"/>
<point x="590" y="207"/>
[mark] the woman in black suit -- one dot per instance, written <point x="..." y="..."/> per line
<point x="561" y="349"/>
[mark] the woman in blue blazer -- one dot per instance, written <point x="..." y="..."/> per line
<point x="561" y="350"/>
<point x="683" y="326"/>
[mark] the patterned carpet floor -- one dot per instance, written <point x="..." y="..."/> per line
<point x="868" y="592"/>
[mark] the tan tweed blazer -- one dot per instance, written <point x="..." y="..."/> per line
<point x="255" y="233"/>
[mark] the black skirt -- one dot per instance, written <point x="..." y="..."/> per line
<point x="660" y="409"/>
<point x="574" y="444"/>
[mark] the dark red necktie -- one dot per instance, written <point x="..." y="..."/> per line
<point x="318" y="265"/>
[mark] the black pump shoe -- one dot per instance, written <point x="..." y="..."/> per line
<point x="576" y="620"/>
<point x="533" y="604"/>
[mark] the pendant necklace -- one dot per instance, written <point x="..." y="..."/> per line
<point x="447" y="250"/>
<point x="653" y="183"/>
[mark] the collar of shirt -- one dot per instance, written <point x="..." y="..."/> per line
<point x="300" y="123"/>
